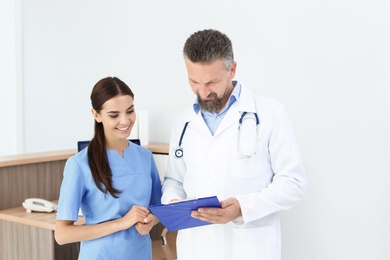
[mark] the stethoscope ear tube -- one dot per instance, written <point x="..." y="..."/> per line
<point x="178" y="153"/>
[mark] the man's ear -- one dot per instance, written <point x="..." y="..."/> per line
<point x="233" y="70"/>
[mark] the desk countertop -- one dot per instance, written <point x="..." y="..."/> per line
<point x="20" y="159"/>
<point x="36" y="219"/>
<point x="11" y="160"/>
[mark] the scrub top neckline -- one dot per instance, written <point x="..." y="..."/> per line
<point x="124" y="150"/>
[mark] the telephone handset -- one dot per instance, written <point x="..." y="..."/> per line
<point x="39" y="205"/>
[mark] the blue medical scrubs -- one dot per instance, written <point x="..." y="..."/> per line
<point x="136" y="175"/>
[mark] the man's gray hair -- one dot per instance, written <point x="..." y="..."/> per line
<point x="208" y="46"/>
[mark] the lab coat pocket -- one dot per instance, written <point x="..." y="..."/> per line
<point x="255" y="243"/>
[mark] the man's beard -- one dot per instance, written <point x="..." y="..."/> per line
<point x="214" y="104"/>
<point x="211" y="105"/>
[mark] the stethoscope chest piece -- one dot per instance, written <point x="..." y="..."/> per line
<point x="178" y="152"/>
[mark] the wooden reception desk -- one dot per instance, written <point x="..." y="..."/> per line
<point x="31" y="235"/>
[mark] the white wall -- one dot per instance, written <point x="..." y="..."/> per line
<point x="327" y="61"/>
<point x="11" y="92"/>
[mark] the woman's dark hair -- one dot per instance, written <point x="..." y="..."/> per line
<point x="103" y="90"/>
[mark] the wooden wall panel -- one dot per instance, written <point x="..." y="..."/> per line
<point x="18" y="182"/>
<point x="24" y="242"/>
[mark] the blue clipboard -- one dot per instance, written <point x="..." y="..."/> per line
<point x="177" y="215"/>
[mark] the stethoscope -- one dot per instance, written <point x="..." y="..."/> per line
<point x="178" y="153"/>
<point x="179" y="150"/>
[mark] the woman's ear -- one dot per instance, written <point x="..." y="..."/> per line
<point x="96" y="115"/>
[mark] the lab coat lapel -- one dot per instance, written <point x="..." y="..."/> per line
<point x="197" y="122"/>
<point x="231" y="117"/>
<point x="200" y="124"/>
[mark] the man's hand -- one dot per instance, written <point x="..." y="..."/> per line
<point x="230" y="210"/>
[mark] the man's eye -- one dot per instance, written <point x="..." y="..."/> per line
<point x="193" y="82"/>
<point x="212" y="83"/>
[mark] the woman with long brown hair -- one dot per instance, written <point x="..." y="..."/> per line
<point x="113" y="181"/>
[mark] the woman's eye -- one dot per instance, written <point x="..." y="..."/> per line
<point x="130" y="111"/>
<point x="113" y="116"/>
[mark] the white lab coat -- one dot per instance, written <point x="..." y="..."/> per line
<point x="270" y="181"/>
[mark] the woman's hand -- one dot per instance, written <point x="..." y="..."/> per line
<point x="146" y="225"/>
<point x="134" y="215"/>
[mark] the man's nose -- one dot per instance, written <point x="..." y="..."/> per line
<point x="204" y="92"/>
